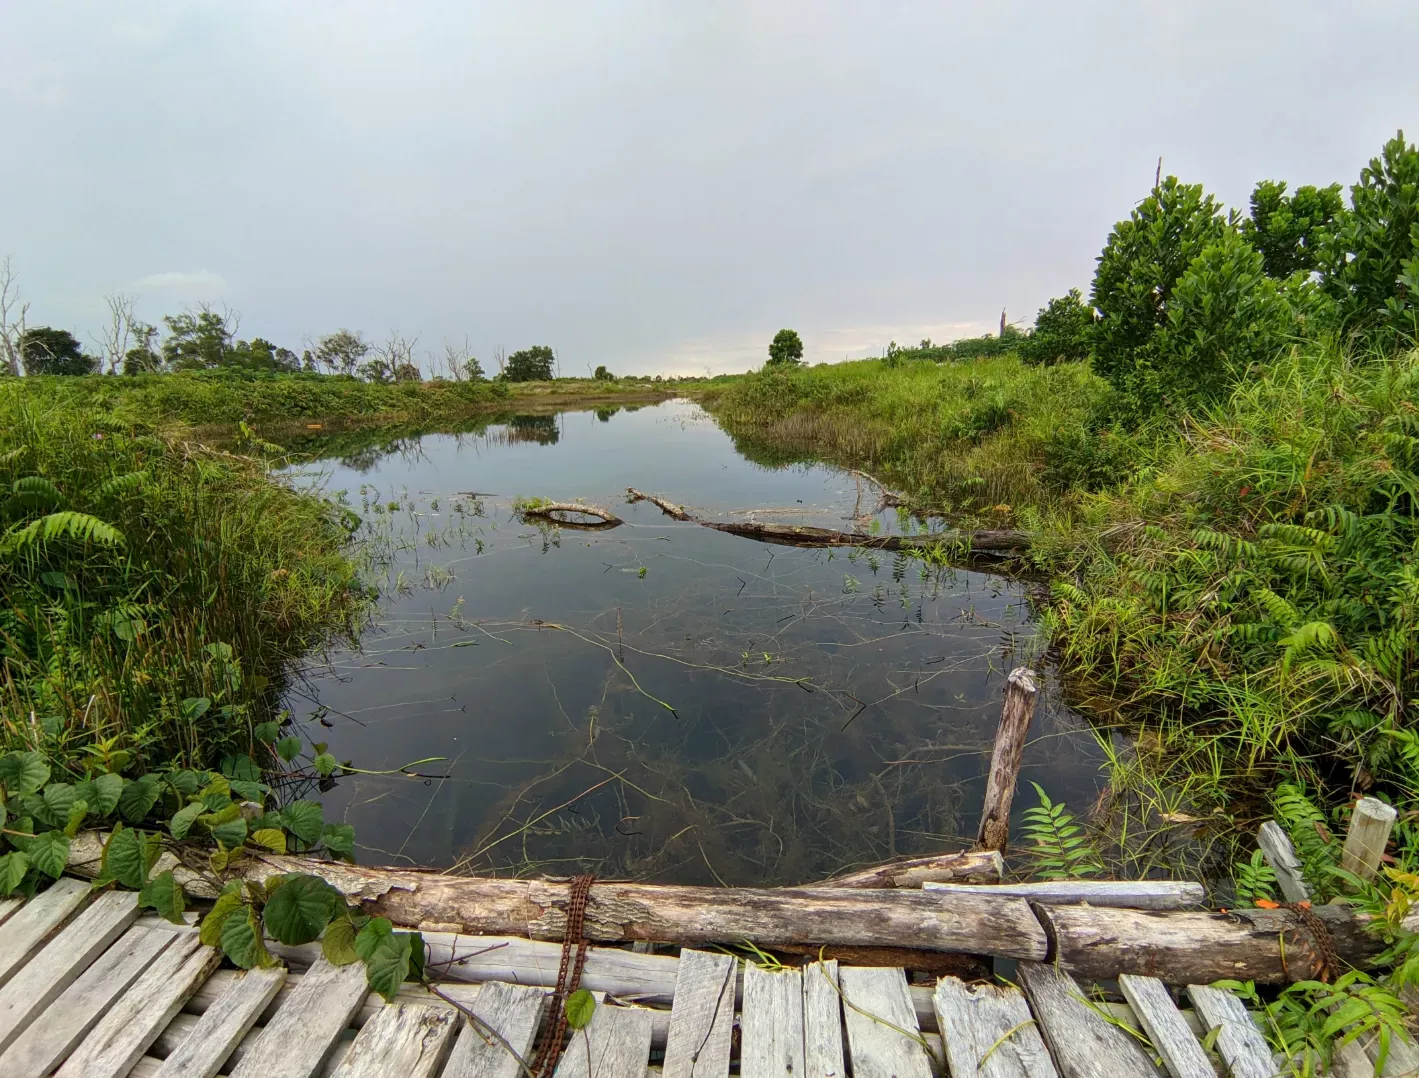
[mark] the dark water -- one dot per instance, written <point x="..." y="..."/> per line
<point x="660" y="700"/>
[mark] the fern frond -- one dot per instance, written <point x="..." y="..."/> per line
<point x="80" y="527"/>
<point x="122" y="484"/>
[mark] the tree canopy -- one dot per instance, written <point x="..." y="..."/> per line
<point x="786" y="349"/>
<point x="45" y="350"/>
<point x="530" y="365"/>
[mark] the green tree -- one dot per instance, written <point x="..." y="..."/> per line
<point x="1372" y="263"/>
<point x="603" y="375"/>
<point x="341" y="351"/>
<point x="786" y="349"/>
<point x="530" y="365"/>
<point x="1063" y="332"/>
<point x="198" y="340"/>
<point x="143" y="357"/>
<point x="1291" y="231"/>
<point x="46" y="350"/>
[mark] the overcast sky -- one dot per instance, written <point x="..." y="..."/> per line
<point x="652" y="186"/>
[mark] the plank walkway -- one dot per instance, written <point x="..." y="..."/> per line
<point x="91" y="989"/>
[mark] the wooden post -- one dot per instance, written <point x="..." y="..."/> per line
<point x="1020" y="693"/>
<point x="1281" y="856"/>
<point x="1368" y="835"/>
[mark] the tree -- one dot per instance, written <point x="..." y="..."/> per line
<point x="116" y="337"/>
<point x="1371" y="265"/>
<point x="200" y="339"/>
<point x="786" y="349"/>
<point x="45" y="350"/>
<point x="1291" y="232"/>
<point x="603" y="375"/>
<point x="1062" y="334"/>
<point x="341" y="351"/>
<point x="143" y="357"/>
<point x="12" y="320"/>
<point x="530" y="365"/>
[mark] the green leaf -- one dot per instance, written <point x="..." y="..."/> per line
<point x="266" y="731"/>
<point x="77" y="813"/>
<point x="139" y="797"/>
<point x="182" y="820"/>
<point x="288" y="748"/>
<point x="217" y="800"/>
<point x="338" y="943"/>
<point x="23" y="773"/>
<point x="241" y="767"/>
<point x="185" y="782"/>
<point x="270" y="838"/>
<point x="13" y="867"/>
<point x="250" y="791"/>
<point x="49" y="853"/>
<point x="417" y="954"/>
<point x="241" y="939"/>
<point x="339" y="839"/>
<point x="125" y="857"/>
<point x="304" y="820"/>
<point x="386" y="956"/>
<point x="101" y="793"/>
<point x="230" y="834"/>
<point x="301" y="908"/>
<point x="581" y="1005"/>
<point x="325" y="764"/>
<point x="165" y="894"/>
<point x="194" y="707"/>
<point x="227" y="903"/>
<point x="54" y="807"/>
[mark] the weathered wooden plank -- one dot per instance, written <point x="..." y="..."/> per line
<point x="1281" y="856"/>
<point x="1166" y="1028"/>
<point x="43" y="1045"/>
<point x="702" y="1017"/>
<point x="1239" y="1042"/>
<point x="1365" y="841"/>
<point x="982" y="866"/>
<point x="771" y="1026"/>
<point x="882" y="1034"/>
<point x="614" y="1044"/>
<point x="1130" y="894"/>
<point x="60" y="961"/>
<point x="514" y="1011"/>
<point x="822" y="1021"/>
<point x="297" y="1040"/>
<point x="987" y="1031"/>
<point x="407" y="1040"/>
<point x="132" y="1024"/>
<point x="1082" y="1042"/>
<point x="9" y="906"/>
<point x="223" y="1024"/>
<point x="27" y="928"/>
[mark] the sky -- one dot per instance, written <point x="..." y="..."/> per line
<point x="657" y="187"/>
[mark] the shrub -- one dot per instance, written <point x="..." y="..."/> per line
<point x="786" y="349"/>
<point x="603" y="375"/>
<point x="530" y="365"/>
<point x="54" y="351"/>
<point x="1063" y="331"/>
<point x="1290" y="232"/>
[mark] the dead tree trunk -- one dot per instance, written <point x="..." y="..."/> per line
<point x="1020" y="693"/>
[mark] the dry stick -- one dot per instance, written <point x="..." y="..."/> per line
<point x="1020" y="694"/>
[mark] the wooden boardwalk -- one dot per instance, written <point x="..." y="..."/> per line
<point x="90" y="988"/>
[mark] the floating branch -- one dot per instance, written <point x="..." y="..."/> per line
<point x="990" y="541"/>
<point x="561" y="512"/>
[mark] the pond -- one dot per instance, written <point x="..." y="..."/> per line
<point x="658" y="700"/>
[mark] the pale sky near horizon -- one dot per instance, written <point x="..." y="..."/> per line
<point x="652" y="186"/>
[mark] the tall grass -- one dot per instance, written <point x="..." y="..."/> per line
<point x="153" y="594"/>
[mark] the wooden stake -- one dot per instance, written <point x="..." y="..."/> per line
<point x="1365" y="842"/>
<point x="1020" y="693"/>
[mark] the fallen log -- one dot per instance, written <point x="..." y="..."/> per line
<point x="820" y="916"/>
<point x="562" y="512"/>
<point x="1125" y="894"/>
<point x="988" y="541"/>
<point x="975" y="866"/>
<point x="968" y="967"/>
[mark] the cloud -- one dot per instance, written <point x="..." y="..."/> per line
<point x="183" y="287"/>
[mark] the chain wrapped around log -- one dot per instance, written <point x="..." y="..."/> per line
<point x="988" y="541"/>
<point x="564" y="514"/>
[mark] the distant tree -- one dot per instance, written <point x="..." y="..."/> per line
<point x="473" y="370"/>
<point x="12" y="319"/>
<point x="1062" y="331"/>
<point x="460" y="364"/>
<point x="603" y="375"/>
<point x="1290" y="232"/>
<point x="116" y="337"/>
<point x="259" y="354"/>
<point x="199" y="340"/>
<point x="45" y="350"/>
<point x="341" y="351"/>
<point x="786" y="349"/>
<point x="530" y="365"/>
<point x="308" y="362"/>
<point x="142" y="357"/>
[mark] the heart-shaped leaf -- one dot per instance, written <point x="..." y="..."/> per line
<point x="165" y="894"/>
<point x="386" y="956"/>
<point x="49" y="853"/>
<point x="300" y="909"/>
<point x="125" y="857"/>
<point x="23" y="773"/>
<point x="227" y="902"/>
<point x="182" y="820"/>
<point x="304" y="819"/>
<point x="581" y="1005"/>
<point x="242" y="942"/>
<point x="338" y="943"/>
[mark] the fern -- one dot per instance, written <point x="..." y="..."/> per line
<point x="1254" y="879"/>
<point x="80" y="527"/>
<point x="1277" y="608"/>
<point x="1059" y="847"/>
<point x="34" y="491"/>
<point x="122" y="484"/>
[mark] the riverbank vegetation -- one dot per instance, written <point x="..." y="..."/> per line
<point x="1217" y="460"/>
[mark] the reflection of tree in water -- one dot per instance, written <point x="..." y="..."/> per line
<point x="542" y="429"/>
<point x="605" y="414"/>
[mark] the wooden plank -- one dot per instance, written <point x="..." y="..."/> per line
<point x="881" y="1024"/>
<point x="9" y="906"/>
<point x="1166" y="1028"/>
<point x="702" y="1018"/>
<point x="771" y="1026"/>
<point x="60" y="962"/>
<point x="1281" y="856"/>
<point x="514" y="1011"/>
<point x="43" y="1045"/>
<point x="297" y="1040"/>
<point x="822" y="1021"/>
<point x="146" y="1009"/>
<point x="1131" y="894"/>
<point x="223" y="1025"/>
<point x="1239" y="1042"/>
<point x="408" y="1040"/>
<point x="987" y="1032"/>
<point x="1082" y="1042"/>
<point x="26" y="929"/>
<point x="1365" y="841"/>
<point x="614" y="1044"/>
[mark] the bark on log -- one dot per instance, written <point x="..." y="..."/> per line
<point x="970" y="866"/>
<point x="557" y="513"/>
<point x="821" y="916"/>
<point x="1020" y="694"/>
<point x="989" y="541"/>
<point x="1199" y="948"/>
<point x="1130" y="894"/>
